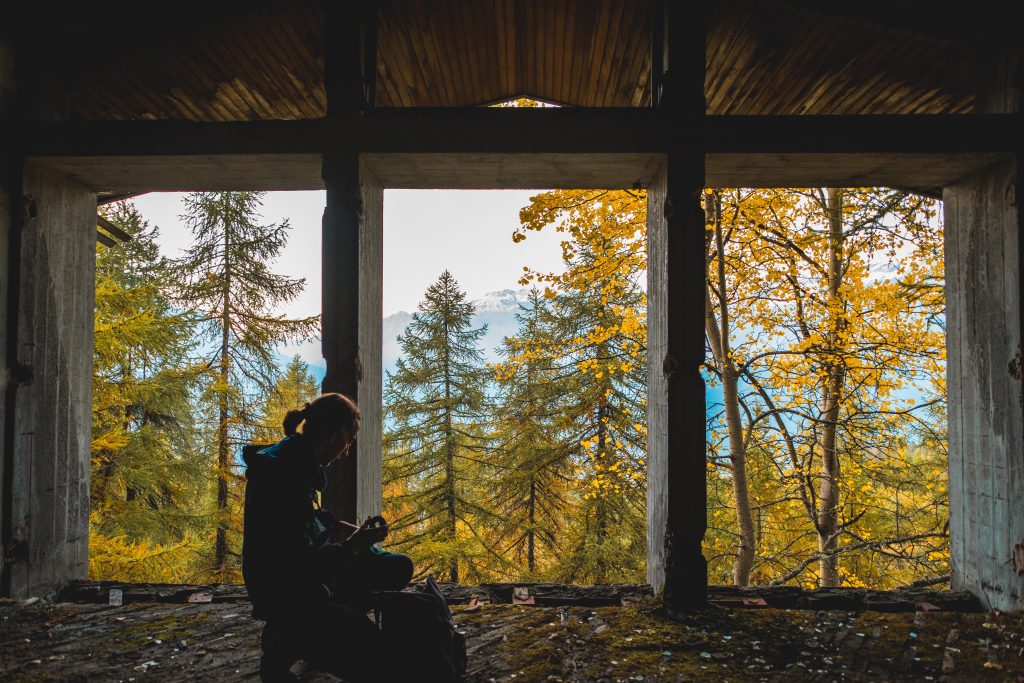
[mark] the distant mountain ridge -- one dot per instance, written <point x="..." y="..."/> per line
<point x="497" y="310"/>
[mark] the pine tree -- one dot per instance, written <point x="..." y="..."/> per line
<point x="434" y="403"/>
<point x="225" y="275"/>
<point x="146" y="469"/>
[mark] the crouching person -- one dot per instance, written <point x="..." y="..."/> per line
<point x="308" y="575"/>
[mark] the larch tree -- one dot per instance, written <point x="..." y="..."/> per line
<point x="225" y="274"/>
<point x="146" y="469"/>
<point x="295" y="387"/>
<point x="532" y="462"/>
<point x="597" y="348"/>
<point x="435" y="438"/>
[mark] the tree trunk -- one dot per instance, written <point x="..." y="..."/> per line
<point x="221" y="544"/>
<point x="530" y="531"/>
<point x="718" y="335"/>
<point x="449" y="462"/>
<point x="828" y="496"/>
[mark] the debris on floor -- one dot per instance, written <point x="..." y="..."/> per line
<point x="604" y="635"/>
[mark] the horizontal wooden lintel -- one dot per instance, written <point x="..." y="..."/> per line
<point x="486" y="130"/>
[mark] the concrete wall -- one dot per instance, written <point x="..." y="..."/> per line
<point x="7" y="190"/>
<point x="986" y="419"/>
<point x="50" y="463"/>
<point x="657" y="384"/>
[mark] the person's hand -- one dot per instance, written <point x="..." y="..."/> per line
<point x="373" y="530"/>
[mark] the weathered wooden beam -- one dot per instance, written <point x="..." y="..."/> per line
<point x="682" y="286"/>
<point x="343" y="59"/>
<point x="496" y="130"/>
<point x="112" y="229"/>
<point x="340" y="254"/>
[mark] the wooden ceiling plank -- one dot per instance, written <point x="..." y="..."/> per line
<point x="613" y="95"/>
<point x="456" y="52"/>
<point x="309" y="72"/>
<point x="551" y="19"/>
<point x="735" y="69"/>
<point x="511" y="65"/>
<point x="138" y="92"/>
<point x="530" y="72"/>
<point x="205" y="105"/>
<point x="391" y="64"/>
<point x="397" y="52"/>
<point x="221" y="89"/>
<point x="567" y="71"/>
<point x="792" y="81"/>
<point x="485" y="86"/>
<point x="796" y="89"/>
<point x="862" y="92"/>
<point x="281" y="104"/>
<point x="431" y="43"/>
<point x="604" y="16"/>
<point x="304" y="78"/>
<point x="745" y="74"/>
<point x="418" y="81"/>
<point x="636" y="77"/>
<point x="459" y="50"/>
<point x="494" y="28"/>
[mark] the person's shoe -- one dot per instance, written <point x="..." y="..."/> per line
<point x="278" y="654"/>
<point x="276" y="668"/>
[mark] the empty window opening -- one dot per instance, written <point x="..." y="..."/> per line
<point x="515" y="388"/>
<point x="826" y="376"/>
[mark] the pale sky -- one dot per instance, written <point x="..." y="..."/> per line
<point x="469" y="232"/>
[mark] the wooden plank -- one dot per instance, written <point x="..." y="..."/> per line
<point x="112" y="229"/>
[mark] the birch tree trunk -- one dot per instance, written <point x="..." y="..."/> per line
<point x="718" y="332"/>
<point x="828" y="495"/>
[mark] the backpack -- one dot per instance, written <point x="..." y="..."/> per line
<point x="420" y="627"/>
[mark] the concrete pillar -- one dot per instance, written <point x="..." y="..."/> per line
<point x="48" y="402"/>
<point x="10" y="184"/>
<point x="984" y="256"/>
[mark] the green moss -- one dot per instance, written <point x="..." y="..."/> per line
<point x="179" y="625"/>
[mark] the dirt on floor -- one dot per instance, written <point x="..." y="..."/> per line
<point x="144" y="641"/>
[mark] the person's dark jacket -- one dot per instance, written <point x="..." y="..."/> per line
<point x="279" y="558"/>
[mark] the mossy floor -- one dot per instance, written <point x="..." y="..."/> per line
<point x="220" y="642"/>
